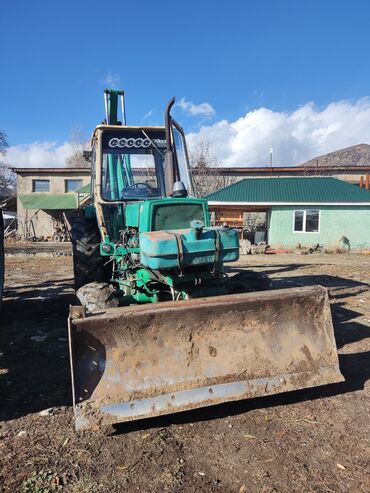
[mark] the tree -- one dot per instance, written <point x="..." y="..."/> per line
<point x="208" y="174"/>
<point x="7" y="177"/>
<point x="76" y="159"/>
<point x="3" y="143"/>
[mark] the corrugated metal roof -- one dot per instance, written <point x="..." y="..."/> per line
<point x="294" y="190"/>
<point x="49" y="201"/>
<point x="85" y="189"/>
<point x="53" y="171"/>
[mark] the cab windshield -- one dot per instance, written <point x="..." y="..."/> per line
<point x="133" y="168"/>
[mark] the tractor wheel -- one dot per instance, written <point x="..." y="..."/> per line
<point x="249" y="281"/>
<point x="88" y="264"/>
<point x="97" y="296"/>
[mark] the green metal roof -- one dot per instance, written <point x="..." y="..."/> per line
<point x="85" y="189"/>
<point x="291" y="190"/>
<point x="48" y="201"/>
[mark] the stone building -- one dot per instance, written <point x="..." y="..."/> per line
<point x="43" y="195"/>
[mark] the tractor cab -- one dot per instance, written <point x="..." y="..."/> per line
<point x="133" y="164"/>
<point x="139" y="163"/>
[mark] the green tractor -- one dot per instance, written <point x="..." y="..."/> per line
<point x="162" y="327"/>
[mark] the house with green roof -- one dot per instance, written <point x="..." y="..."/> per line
<point x="302" y="211"/>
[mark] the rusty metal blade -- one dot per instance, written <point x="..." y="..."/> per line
<point x="137" y="362"/>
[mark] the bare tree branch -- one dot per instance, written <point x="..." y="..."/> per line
<point x="207" y="171"/>
<point x="3" y="143"/>
<point x="7" y="177"/>
<point x="76" y="158"/>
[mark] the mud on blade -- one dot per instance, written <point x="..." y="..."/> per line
<point x="137" y="362"/>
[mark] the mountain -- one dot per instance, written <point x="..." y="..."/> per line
<point x="350" y="156"/>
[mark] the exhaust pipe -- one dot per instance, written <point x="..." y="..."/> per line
<point x="171" y="167"/>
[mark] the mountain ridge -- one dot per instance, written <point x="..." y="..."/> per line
<point x="357" y="155"/>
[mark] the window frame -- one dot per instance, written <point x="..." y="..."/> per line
<point x="304" y="221"/>
<point x="93" y="170"/>
<point x="158" y="172"/>
<point x="34" y="180"/>
<point x="182" y="157"/>
<point x="66" y="180"/>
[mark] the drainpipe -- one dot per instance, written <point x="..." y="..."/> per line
<point x="367" y="182"/>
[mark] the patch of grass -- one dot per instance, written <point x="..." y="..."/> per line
<point x="102" y="485"/>
<point x="84" y="486"/>
<point x="40" y="482"/>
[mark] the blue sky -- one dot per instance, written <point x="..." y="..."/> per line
<point x="233" y="57"/>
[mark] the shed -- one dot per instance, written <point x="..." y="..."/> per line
<point x="44" y="195"/>
<point x="302" y="211"/>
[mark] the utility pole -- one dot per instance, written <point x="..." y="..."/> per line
<point x="271" y="152"/>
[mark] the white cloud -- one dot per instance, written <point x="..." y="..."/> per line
<point x="39" y="154"/>
<point x="204" y="109"/>
<point x="111" y="80"/>
<point x="296" y="136"/>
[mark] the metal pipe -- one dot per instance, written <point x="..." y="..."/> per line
<point x="170" y="168"/>
<point x="167" y="120"/>
<point x="106" y="92"/>
<point x="123" y="109"/>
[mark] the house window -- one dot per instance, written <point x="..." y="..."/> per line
<point x="307" y="221"/>
<point x="298" y="220"/>
<point x="40" y="185"/>
<point x="72" y="185"/>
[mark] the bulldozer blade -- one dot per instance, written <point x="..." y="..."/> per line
<point x="150" y="360"/>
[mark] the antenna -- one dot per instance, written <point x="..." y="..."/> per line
<point x="271" y="152"/>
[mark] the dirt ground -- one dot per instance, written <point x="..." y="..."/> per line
<point x="306" y="441"/>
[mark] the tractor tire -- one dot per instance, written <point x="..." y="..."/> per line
<point x="88" y="264"/>
<point x="250" y="281"/>
<point x="97" y="296"/>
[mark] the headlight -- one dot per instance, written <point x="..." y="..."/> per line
<point x="107" y="248"/>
